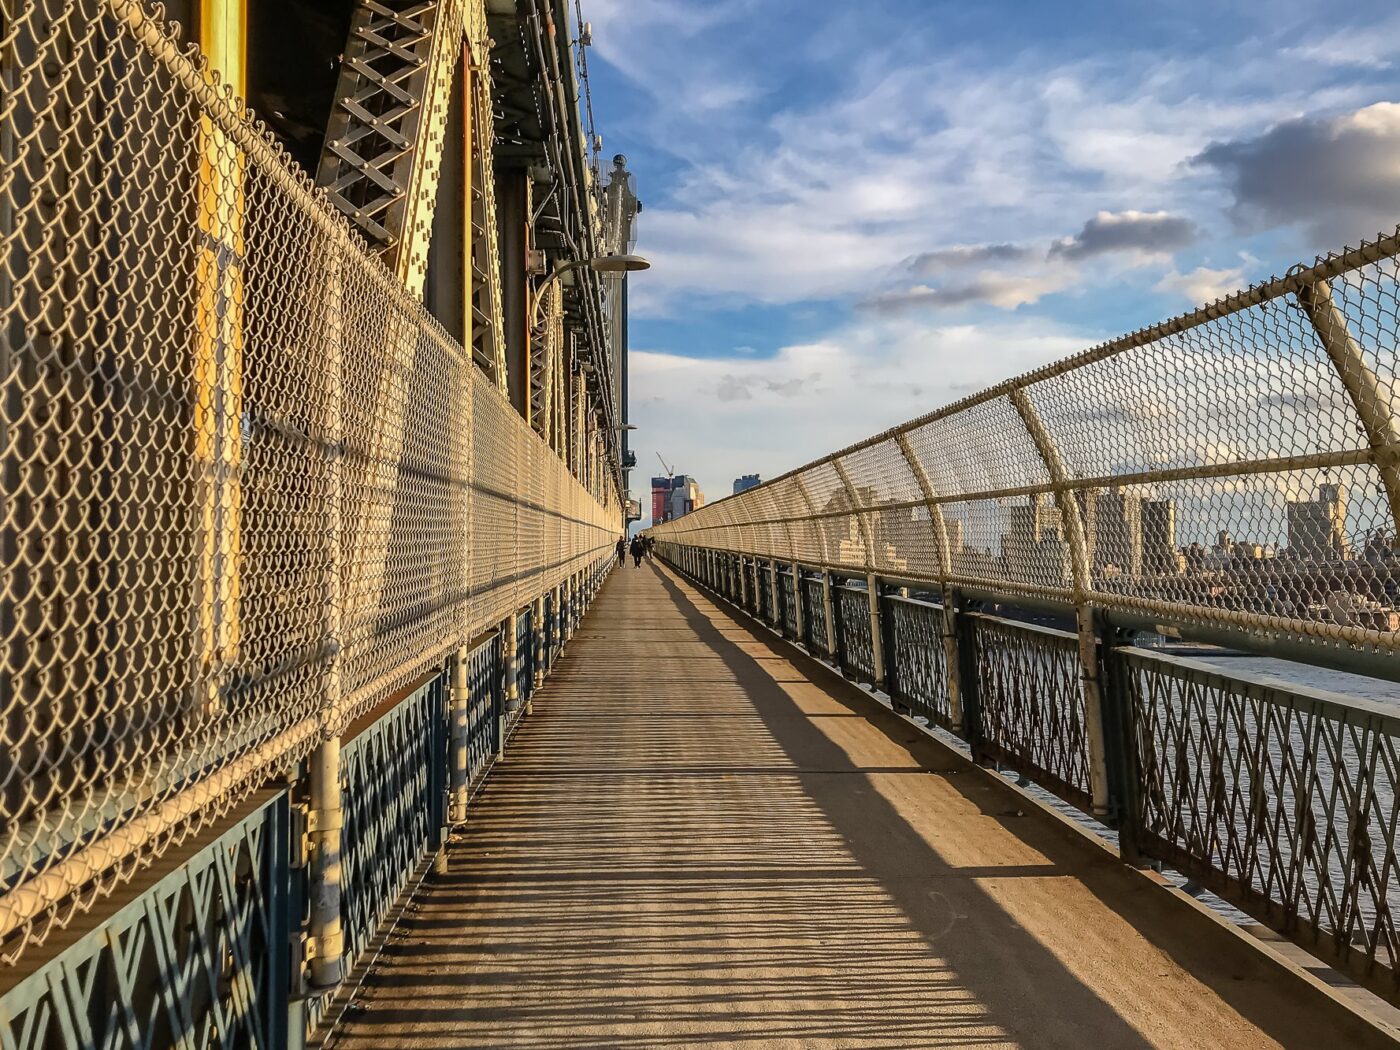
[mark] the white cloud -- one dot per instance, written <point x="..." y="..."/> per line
<point x="1203" y="285"/>
<point x="718" y="419"/>
<point x="1002" y="290"/>
<point x="923" y="177"/>
<point x="1359" y="47"/>
<point x="917" y="160"/>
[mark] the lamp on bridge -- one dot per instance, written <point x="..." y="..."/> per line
<point x="598" y="264"/>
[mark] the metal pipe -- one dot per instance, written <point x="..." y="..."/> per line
<point x="829" y="611"/>
<point x="798" y="618"/>
<point x="1088" y="647"/>
<point x="460" y="724"/>
<point x="510" y="658"/>
<point x="327" y="946"/>
<point x="1369" y="397"/>
<point x="952" y="666"/>
<point x="775" y="605"/>
<point x="877" y="641"/>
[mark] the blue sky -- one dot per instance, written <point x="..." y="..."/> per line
<point x="859" y="212"/>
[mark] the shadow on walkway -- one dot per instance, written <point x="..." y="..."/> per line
<point x="701" y="840"/>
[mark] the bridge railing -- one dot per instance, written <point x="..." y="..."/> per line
<point x="250" y="491"/>
<point x="1228" y="477"/>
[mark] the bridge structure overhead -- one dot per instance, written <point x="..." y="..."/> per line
<point x="329" y="715"/>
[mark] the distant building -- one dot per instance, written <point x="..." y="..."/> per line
<point x="660" y="499"/>
<point x="743" y="484"/>
<point x="953" y="530"/>
<point x="674" y="497"/>
<point x="1317" y="527"/>
<point x="1116" y="532"/>
<point x="1159" y="554"/>
<point x="1033" y="548"/>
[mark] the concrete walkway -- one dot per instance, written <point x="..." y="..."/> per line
<point x="700" y="840"/>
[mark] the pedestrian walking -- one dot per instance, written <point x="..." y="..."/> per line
<point x="622" y="550"/>
<point x="637" y="548"/>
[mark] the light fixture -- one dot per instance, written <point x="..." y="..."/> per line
<point x="598" y="264"/>
<point x="619" y="263"/>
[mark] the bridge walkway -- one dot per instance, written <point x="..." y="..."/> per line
<point x="699" y="838"/>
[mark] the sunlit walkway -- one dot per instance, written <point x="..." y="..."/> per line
<point x="696" y="841"/>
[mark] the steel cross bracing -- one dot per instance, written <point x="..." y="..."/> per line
<point x="380" y="160"/>
<point x="487" y="342"/>
<point x="285" y="402"/>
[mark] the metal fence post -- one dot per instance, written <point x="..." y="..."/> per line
<point x="797" y="600"/>
<point x="969" y="685"/>
<point x="743" y="583"/>
<point x="775" y="608"/>
<point x="539" y="631"/>
<point x="458" y="743"/>
<point x="829" y="612"/>
<point x="327" y="933"/>
<point x="1073" y="528"/>
<point x="510" y="660"/>
<point x="877" y="638"/>
<point x="1369" y="396"/>
<point x="504" y="676"/>
<point x="1121" y="737"/>
<point x="951" y="668"/>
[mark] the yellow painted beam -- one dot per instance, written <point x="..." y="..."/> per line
<point x="218" y="351"/>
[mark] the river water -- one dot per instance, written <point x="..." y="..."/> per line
<point x="1304" y="674"/>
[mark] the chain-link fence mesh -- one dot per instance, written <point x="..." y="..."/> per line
<point x="1234" y="468"/>
<point x="250" y="487"/>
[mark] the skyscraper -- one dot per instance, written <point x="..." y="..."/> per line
<point x="660" y="496"/>
<point x="746" y="482"/>
<point x="1033" y="548"/>
<point x="1317" y="527"/>
<point x="1158" y="518"/>
<point x="673" y="497"/>
<point x="1117" y="532"/>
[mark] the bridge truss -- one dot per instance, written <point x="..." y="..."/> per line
<point x="283" y="564"/>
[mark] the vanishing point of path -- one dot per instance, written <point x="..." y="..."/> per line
<point x="701" y="839"/>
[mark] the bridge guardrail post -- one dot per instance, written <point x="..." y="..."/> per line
<point x="1079" y="577"/>
<point x="797" y="598"/>
<point x="891" y="653"/>
<point x="775" y="606"/>
<point x="510" y="659"/>
<point x="969" y="686"/>
<point x="1120" y="739"/>
<point x="952" y="671"/>
<point x="326" y="947"/>
<point x="1091" y="678"/>
<point x="877" y="640"/>
<point x="539" y="636"/>
<point x="440" y="769"/>
<point x="833" y="642"/>
<point x="743" y="583"/>
<point x="459" y="757"/>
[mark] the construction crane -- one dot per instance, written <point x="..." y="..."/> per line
<point x="670" y="480"/>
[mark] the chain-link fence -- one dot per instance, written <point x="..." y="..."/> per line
<point x="250" y="486"/>
<point x="1235" y="467"/>
<point x="1230" y="475"/>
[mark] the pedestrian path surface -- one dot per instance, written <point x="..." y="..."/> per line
<point x="702" y="838"/>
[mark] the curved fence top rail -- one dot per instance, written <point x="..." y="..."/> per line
<point x="1234" y="467"/>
